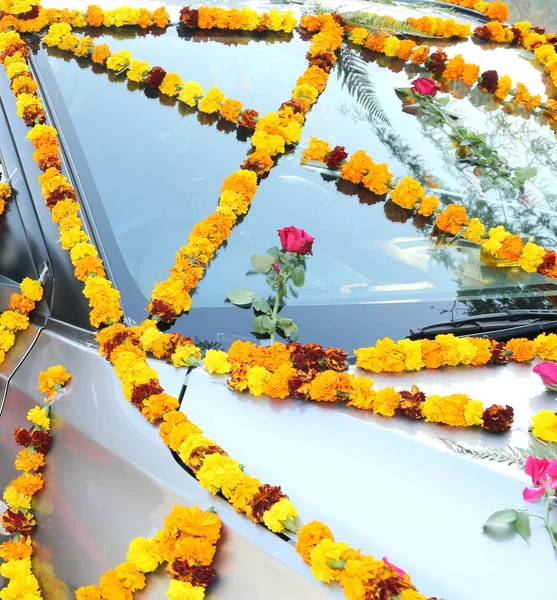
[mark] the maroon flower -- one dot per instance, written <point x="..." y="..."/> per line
<point x="160" y="309"/>
<point x="296" y="240"/>
<point x="483" y="32"/>
<point x="425" y="86"/>
<point x="310" y="356"/>
<point x="336" y="359"/>
<point x="498" y="418"/>
<point x="323" y="60"/>
<point x="142" y="391"/>
<point x="338" y="18"/>
<point x="436" y="62"/>
<point x="249" y="118"/>
<point x="411" y="404"/>
<point x="30" y="14"/>
<point x="18" y="522"/>
<point x="299" y="106"/>
<point x="488" y="81"/>
<point x="58" y="195"/>
<point x="116" y="341"/>
<point x="189" y="17"/>
<point x="299" y="384"/>
<point x="197" y="575"/>
<point x="498" y="353"/>
<point x="13" y="48"/>
<point x="41" y="440"/>
<point x="22" y="437"/>
<point x="264" y="499"/>
<point x="548" y="264"/>
<point x="155" y="77"/>
<point x="539" y="30"/>
<point x="336" y="157"/>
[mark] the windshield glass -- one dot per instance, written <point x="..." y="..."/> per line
<point x="159" y="167"/>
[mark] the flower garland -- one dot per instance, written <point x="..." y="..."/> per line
<point x="497" y="11"/>
<point x="190" y="93"/>
<point x="360" y="575"/>
<point x="16" y="318"/>
<point x="59" y="195"/>
<point x="273" y="133"/>
<point x="18" y="520"/>
<point x="187" y="543"/>
<point x="233" y="19"/>
<point x="447" y="28"/>
<point x="452" y="220"/>
<point x="5" y="193"/>
<point x="35" y="18"/>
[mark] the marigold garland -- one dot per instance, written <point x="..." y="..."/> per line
<point x="233" y="19"/>
<point x="16" y="318"/>
<point x="18" y="520"/>
<point x="498" y="11"/>
<point x="452" y="220"/>
<point x="187" y="543"/>
<point x="360" y="575"/>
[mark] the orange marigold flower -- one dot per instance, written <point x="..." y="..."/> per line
<point x="483" y="351"/>
<point x="155" y="406"/>
<point x="522" y="349"/>
<point x="324" y="387"/>
<point x="19" y="550"/>
<point x="52" y="380"/>
<point x="196" y="550"/>
<point x="405" y="49"/>
<point x="407" y="193"/>
<point x="470" y="74"/>
<point x="100" y="54"/>
<point x="419" y="55"/>
<point x="176" y="428"/>
<point x="28" y="483"/>
<point x="453" y="69"/>
<point x="87" y="266"/>
<point x="356" y="167"/>
<point x="428" y="206"/>
<point x="498" y="11"/>
<point x="376" y="43"/>
<point x="276" y="386"/>
<point x="145" y="19"/>
<point x="452" y="219"/>
<point x="378" y="179"/>
<point x="241" y="182"/>
<point x="95" y="16"/>
<point x="231" y="110"/>
<point x="309" y="536"/>
<point x="432" y="354"/>
<point x="161" y="17"/>
<point x="525" y="99"/>
<point x="193" y="521"/>
<point x="315" y="77"/>
<point x="244" y="352"/>
<point x="511" y="248"/>
<point x="22" y="304"/>
<point x="29" y="461"/>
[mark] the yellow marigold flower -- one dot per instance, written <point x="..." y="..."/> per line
<point x="256" y="378"/>
<point x="190" y="93"/>
<point x="148" y="337"/>
<point x="172" y="292"/>
<point x="411" y="595"/>
<point x="358" y="35"/>
<point x="52" y="380"/>
<point x="362" y="394"/>
<point x="241" y="182"/>
<point x="16" y="500"/>
<point x="244" y="494"/>
<point x="90" y="592"/>
<point x="234" y="202"/>
<point x="391" y="47"/>
<point x="271" y="144"/>
<point x="503" y="88"/>
<point x="13" y="321"/>
<point x="305" y="91"/>
<point x="220" y="473"/>
<point x="69" y="42"/>
<point x="309" y="536"/>
<point x="212" y="101"/>
<point x="171" y="84"/>
<point x="176" y="428"/>
<point x="39" y="417"/>
<point x="466" y="351"/>
<point x="71" y="222"/>
<point x="56" y="33"/>
<point x="412" y="351"/>
<point x="531" y="257"/>
<point x="523" y="350"/>
<point x="407" y="193"/>
<point x="191" y="443"/>
<point x="378" y="179"/>
<point x="138" y="70"/>
<point x="70" y="238"/>
<point x="291" y="132"/>
<point x="317" y="150"/>
<point x="386" y="401"/>
<point x="64" y="209"/>
<point x="474" y="231"/>
<point x="119" y="60"/>
<point x="281" y="511"/>
<point x="544" y="426"/>
<point x="545" y="346"/>
<point x="7" y="38"/>
<point x="325" y="551"/>
<point x="496" y="236"/>
<point x="184" y="590"/>
<point x="25" y="101"/>
<point x="82" y="250"/>
<point x="186" y="356"/>
<point x="473" y="413"/>
<point x="446" y="409"/>
<point x="384" y="357"/>
<point x="131" y="578"/>
<point x="545" y="53"/>
<point x="7" y="340"/>
<point x="142" y="554"/>
<point x="525" y="99"/>
<point x="10" y="550"/>
<point x="16" y="68"/>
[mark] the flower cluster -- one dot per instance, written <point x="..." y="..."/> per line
<point x="446" y="350"/>
<point x="59" y="195"/>
<point x="447" y="28"/>
<point x="16" y="318"/>
<point x="52" y="380"/>
<point x="361" y="576"/>
<point x="273" y="133"/>
<point x="170" y="84"/>
<point x="187" y="544"/>
<point x="497" y="11"/>
<point x="244" y="19"/>
<point x="212" y="466"/>
<point x="18" y="520"/>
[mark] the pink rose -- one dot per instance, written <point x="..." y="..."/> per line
<point x="296" y="240"/>
<point x="425" y="86"/>
<point x="544" y="477"/>
<point x="548" y="372"/>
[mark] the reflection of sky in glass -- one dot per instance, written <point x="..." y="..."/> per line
<point x="159" y="172"/>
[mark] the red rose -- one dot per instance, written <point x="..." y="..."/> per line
<point x="295" y="240"/>
<point x="425" y="86"/>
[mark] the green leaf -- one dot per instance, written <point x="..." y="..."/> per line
<point x="264" y="324"/>
<point x="241" y="297"/>
<point x="522" y="525"/>
<point x="288" y="327"/>
<point x="274" y="252"/>
<point x="271" y="276"/>
<point x="262" y="263"/>
<point x="524" y="173"/>
<point x="508" y="515"/>
<point x="261" y="305"/>
<point x="298" y="276"/>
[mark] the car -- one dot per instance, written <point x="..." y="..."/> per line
<point x="147" y="168"/>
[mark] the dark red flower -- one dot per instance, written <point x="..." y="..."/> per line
<point x="488" y="81"/>
<point x="116" y="341"/>
<point x="436" y="62"/>
<point x="249" y="118"/>
<point x="336" y="359"/>
<point x="155" y="77"/>
<point x="46" y="161"/>
<point x="498" y="418"/>
<point x="259" y="167"/>
<point x="386" y="589"/>
<point x="41" y="440"/>
<point x="323" y="60"/>
<point x="338" y="18"/>
<point x="539" y="30"/>
<point x="189" y="17"/>
<point x="197" y="575"/>
<point x="262" y="502"/>
<point x="298" y="384"/>
<point x="548" y="263"/>
<point x="425" y="86"/>
<point x="483" y="32"/>
<point x="296" y="240"/>
<point x="310" y="356"/>
<point x="20" y="47"/>
<point x="160" y="309"/>
<point x="22" y="437"/>
<point x="411" y="404"/>
<point x="336" y="157"/>
<point x="142" y="391"/>
<point x="33" y="115"/>
<point x="498" y="353"/>
<point x="298" y="106"/>
<point x="30" y="14"/>
<point x="58" y="195"/>
<point x="18" y="522"/>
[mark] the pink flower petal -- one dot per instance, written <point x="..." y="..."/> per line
<point x="530" y="495"/>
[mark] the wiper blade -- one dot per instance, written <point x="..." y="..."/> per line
<point x="499" y="326"/>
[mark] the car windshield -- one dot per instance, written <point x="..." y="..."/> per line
<point x="158" y="167"/>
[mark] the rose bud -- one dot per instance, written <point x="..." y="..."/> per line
<point x="548" y="372"/>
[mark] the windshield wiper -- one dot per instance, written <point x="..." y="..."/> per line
<point x="499" y="326"/>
